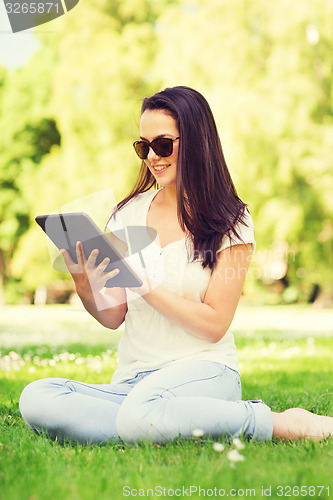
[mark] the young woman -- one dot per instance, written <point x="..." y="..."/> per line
<point x="178" y="368"/>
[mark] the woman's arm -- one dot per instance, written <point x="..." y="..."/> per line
<point x="210" y="319"/>
<point x="108" y="308"/>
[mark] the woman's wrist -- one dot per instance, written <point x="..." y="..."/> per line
<point x="87" y="297"/>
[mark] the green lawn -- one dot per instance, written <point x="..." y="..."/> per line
<point x="285" y="359"/>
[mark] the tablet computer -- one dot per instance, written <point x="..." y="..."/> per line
<point x="65" y="230"/>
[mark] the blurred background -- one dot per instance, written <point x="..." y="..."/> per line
<point x="69" y="113"/>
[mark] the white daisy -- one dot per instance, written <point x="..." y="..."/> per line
<point x="218" y="447"/>
<point x="238" y="443"/>
<point x="197" y="433"/>
<point x="234" y="456"/>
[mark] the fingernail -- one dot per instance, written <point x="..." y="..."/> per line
<point x="116" y="271"/>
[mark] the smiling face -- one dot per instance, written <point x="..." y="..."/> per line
<point x="154" y="124"/>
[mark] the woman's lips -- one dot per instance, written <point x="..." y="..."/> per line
<point x="160" y="170"/>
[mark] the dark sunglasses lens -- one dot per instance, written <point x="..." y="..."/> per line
<point x="141" y="149"/>
<point x="163" y="147"/>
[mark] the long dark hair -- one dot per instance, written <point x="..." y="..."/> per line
<point x="207" y="202"/>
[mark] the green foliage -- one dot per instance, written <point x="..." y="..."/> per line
<point x="28" y="134"/>
<point x="69" y="116"/>
<point x="266" y="70"/>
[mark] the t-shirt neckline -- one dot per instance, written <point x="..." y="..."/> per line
<point x="149" y="202"/>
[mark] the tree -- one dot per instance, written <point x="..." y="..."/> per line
<point x="26" y="138"/>
<point x="265" y="68"/>
<point x="96" y="78"/>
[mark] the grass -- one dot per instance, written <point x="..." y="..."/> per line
<point x="285" y="359"/>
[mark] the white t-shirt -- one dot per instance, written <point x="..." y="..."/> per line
<point x="150" y="340"/>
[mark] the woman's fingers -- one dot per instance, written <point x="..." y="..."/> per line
<point x="95" y="274"/>
<point x="79" y="254"/>
<point x="67" y="258"/>
<point x="101" y="276"/>
<point x="104" y="277"/>
<point x="98" y="281"/>
<point x="104" y="264"/>
<point x="111" y="274"/>
<point x="91" y="262"/>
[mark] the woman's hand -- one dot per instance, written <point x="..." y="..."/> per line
<point x="88" y="277"/>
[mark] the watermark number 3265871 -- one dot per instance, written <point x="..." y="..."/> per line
<point x="32" y="8"/>
<point x="29" y="13"/>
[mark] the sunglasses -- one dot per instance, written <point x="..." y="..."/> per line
<point x="162" y="146"/>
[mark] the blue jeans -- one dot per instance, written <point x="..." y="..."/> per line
<point x="158" y="405"/>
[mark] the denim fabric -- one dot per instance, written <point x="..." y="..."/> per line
<point x="157" y="405"/>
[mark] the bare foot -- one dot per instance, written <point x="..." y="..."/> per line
<point x="297" y="423"/>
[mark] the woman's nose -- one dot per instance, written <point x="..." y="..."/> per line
<point x="151" y="154"/>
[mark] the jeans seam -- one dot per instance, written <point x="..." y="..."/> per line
<point x="192" y="381"/>
<point x="236" y="386"/>
<point x="95" y="388"/>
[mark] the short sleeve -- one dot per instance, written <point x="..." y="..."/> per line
<point x="246" y="232"/>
